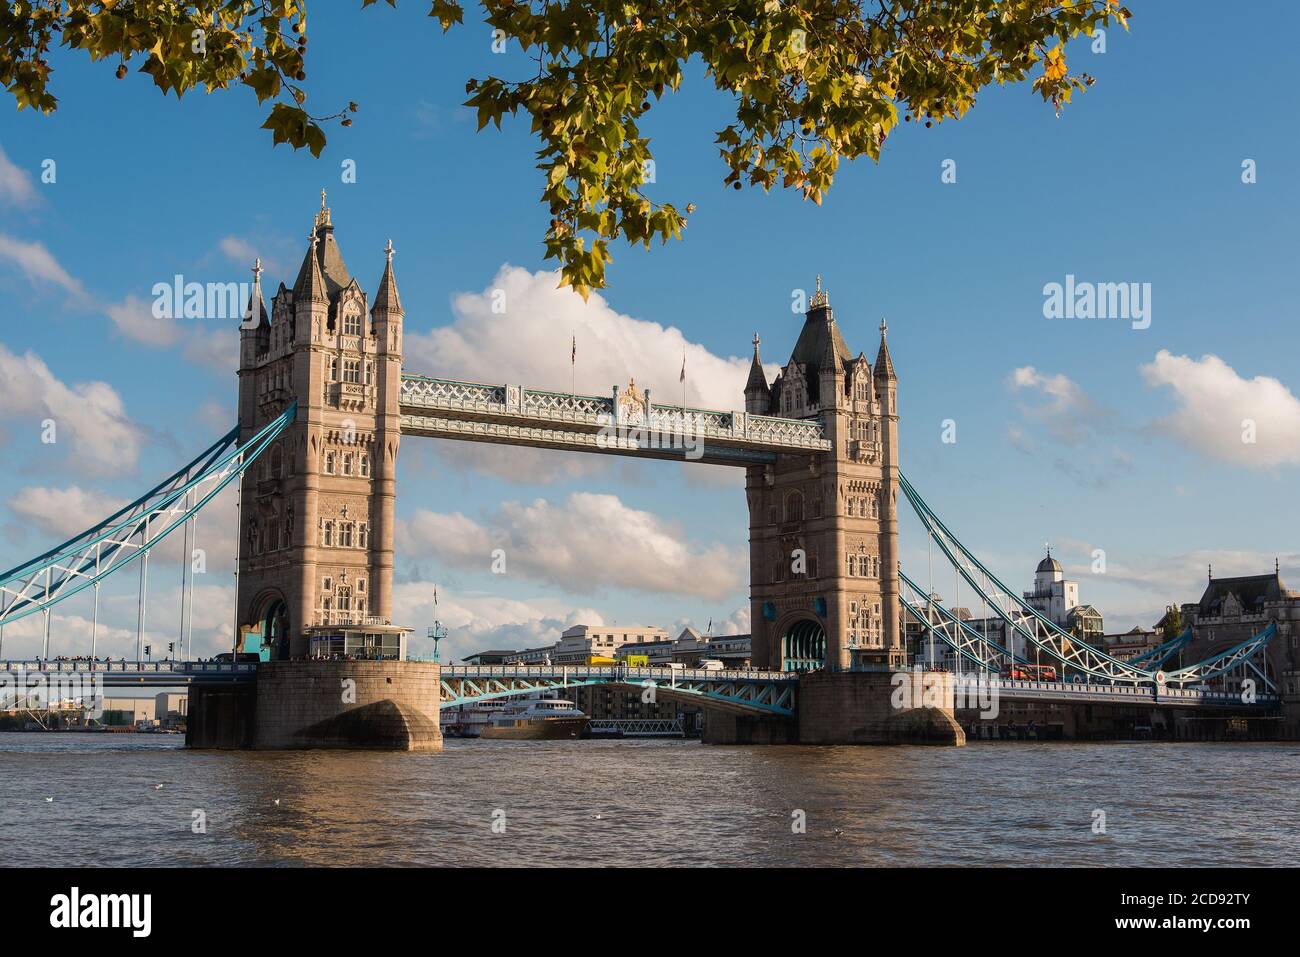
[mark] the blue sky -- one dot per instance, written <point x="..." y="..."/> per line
<point x="1108" y="437"/>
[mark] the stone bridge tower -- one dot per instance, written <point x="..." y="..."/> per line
<point x="316" y="523"/>
<point x="823" y="531"/>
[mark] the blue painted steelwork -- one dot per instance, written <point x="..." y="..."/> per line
<point x="1218" y="665"/>
<point x="745" y="692"/>
<point x="126" y="535"/>
<point x="128" y="674"/>
<point x="1124" y="694"/>
<point x="1158" y="655"/>
<point x="973" y="637"/>
<point x="1044" y="634"/>
<point x="803" y="646"/>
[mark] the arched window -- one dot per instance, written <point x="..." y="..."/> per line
<point x="329" y="463"/>
<point x="352" y="322"/>
<point x="853" y="565"/>
<point x="851" y="506"/>
<point x="277" y="462"/>
<point x="327" y="537"/>
<point x="365" y="464"/>
<point x="347" y="463"/>
<point x="794" y="507"/>
<point x="334" y="369"/>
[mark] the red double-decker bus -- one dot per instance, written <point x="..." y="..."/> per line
<point x="1020" y="672"/>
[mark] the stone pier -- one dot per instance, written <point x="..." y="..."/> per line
<point x="851" y="707"/>
<point x="378" y="705"/>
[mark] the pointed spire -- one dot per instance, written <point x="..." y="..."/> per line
<point x="311" y="281"/>
<point x="757" y="377"/>
<point x="256" y="312"/>
<point x="386" y="298"/>
<point x="884" y="365"/>
<point x="829" y="361"/>
<point x="820" y="300"/>
<point x="323" y="217"/>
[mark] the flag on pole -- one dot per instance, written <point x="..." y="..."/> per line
<point x="573" y="352"/>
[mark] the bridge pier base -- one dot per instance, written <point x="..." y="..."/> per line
<point x="851" y="707"/>
<point x="370" y="705"/>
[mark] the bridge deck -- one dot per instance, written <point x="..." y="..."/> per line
<point x="1015" y="690"/>
<point x="132" y="673"/>
<point x="746" y="691"/>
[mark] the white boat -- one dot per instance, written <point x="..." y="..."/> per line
<point x="468" y="720"/>
<point x="537" y="718"/>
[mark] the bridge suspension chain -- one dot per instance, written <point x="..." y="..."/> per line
<point x="942" y="623"/>
<point x="1027" y="621"/>
<point x="85" y="560"/>
<point x="1059" y="644"/>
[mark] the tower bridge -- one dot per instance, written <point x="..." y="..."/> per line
<point x="324" y="404"/>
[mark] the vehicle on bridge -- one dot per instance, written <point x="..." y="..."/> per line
<point x="1023" y="672"/>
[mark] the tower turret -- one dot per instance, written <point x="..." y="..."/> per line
<point x="758" y="396"/>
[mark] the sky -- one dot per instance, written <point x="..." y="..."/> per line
<point x="1124" y="436"/>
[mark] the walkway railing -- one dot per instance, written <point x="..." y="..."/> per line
<point x="513" y="414"/>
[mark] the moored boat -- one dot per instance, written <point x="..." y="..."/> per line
<point x="537" y="719"/>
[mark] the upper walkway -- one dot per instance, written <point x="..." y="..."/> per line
<point x="622" y="423"/>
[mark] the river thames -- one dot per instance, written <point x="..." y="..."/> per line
<point x="95" y="799"/>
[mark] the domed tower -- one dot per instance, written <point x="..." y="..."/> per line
<point x="823" y="529"/>
<point x="316" y="509"/>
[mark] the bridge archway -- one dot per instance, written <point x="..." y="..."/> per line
<point x="803" y="645"/>
<point x="268" y="635"/>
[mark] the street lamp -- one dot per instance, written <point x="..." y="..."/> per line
<point x="437" y="632"/>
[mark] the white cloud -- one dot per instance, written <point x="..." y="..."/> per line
<point x="1065" y="409"/>
<point x="215" y="348"/>
<point x="39" y="265"/>
<point x="1214" y="404"/>
<point x="15" y="185"/>
<point x="238" y="250"/>
<point x="529" y="344"/>
<point x="520" y="463"/>
<point x="479" y="621"/>
<point x="738" y="623"/>
<point x="91" y="413"/>
<point x="134" y="319"/>
<point x="62" y="512"/>
<point x="587" y="542"/>
<point x="57" y="514"/>
<point x="1136" y="587"/>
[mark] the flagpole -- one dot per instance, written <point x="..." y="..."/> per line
<point x="683" y="389"/>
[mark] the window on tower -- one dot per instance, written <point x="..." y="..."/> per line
<point x="352" y="322"/>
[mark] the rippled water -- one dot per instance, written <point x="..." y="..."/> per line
<point x="646" y="803"/>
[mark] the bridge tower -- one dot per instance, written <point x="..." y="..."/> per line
<point x="316" y="525"/>
<point x="823" y="530"/>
